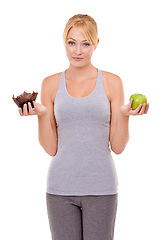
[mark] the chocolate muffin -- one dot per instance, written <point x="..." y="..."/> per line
<point x="25" y="98"/>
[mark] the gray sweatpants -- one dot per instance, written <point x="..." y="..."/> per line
<point x="88" y="217"/>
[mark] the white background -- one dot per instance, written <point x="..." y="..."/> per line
<point x="31" y="48"/>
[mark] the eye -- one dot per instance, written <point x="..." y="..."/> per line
<point x="71" y="43"/>
<point x="86" y="44"/>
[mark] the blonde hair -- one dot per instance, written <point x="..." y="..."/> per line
<point x="85" y="24"/>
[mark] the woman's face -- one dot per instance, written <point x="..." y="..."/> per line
<point x="78" y="49"/>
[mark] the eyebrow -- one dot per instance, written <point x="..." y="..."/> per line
<point x="75" y="40"/>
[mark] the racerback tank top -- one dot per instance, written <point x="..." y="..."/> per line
<point x="83" y="164"/>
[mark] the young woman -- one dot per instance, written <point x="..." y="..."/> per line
<point x="81" y="119"/>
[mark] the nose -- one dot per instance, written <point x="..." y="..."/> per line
<point x="78" y="49"/>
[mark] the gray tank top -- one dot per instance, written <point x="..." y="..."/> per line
<point x="83" y="164"/>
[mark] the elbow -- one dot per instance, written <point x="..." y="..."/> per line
<point x="119" y="148"/>
<point x="117" y="151"/>
<point x="53" y="151"/>
<point x="51" y="154"/>
<point x="50" y="150"/>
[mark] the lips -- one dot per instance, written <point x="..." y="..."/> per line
<point x="77" y="59"/>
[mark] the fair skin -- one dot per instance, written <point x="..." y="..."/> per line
<point x="81" y="78"/>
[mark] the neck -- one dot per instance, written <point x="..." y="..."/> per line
<point x="79" y="74"/>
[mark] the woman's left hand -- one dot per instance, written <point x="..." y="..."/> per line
<point x="140" y="110"/>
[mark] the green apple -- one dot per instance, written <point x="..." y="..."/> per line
<point x="137" y="100"/>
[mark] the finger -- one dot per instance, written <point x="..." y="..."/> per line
<point x="137" y="110"/>
<point x="30" y="109"/>
<point x="142" y="111"/>
<point x="130" y="105"/>
<point x="25" y="112"/>
<point x="35" y="105"/>
<point x="20" y="111"/>
<point x="147" y="108"/>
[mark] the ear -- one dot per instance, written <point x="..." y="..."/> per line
<point x="97" y="44"/>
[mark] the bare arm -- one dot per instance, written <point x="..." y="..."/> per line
<point x="47" y="131"/>
<point x="46" y="123"/>
<point x="119" y="128"/>
<point x="47" y="139"/>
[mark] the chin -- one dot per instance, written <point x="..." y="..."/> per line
<point x="78" y="64"/>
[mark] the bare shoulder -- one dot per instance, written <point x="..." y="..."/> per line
<point x="51" y="80"/>
<point x="50" y="84"/>
<point x="112" y="84"/>
<point x="111" y="78"/>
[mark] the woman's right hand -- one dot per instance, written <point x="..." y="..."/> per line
<point x="38" y="109"/>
